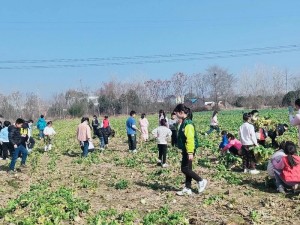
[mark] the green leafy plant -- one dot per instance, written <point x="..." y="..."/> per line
<point x="122" y="184"/>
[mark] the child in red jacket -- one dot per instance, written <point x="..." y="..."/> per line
<point x="287" y="169"/>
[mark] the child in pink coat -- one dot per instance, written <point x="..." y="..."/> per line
<point x="144" y="127"/>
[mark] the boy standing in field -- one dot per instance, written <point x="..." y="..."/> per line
<point x="15" y="140"/>
<point x="41" y="124"/>
<point x="295" y="120"/>
<point x="95" y="124"/>
<point x="131" y="129"/>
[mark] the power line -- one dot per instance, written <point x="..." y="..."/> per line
<point x="152" y="56"/>
<point x="153" y="59"/>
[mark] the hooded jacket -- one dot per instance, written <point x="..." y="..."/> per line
<point x="41" y="124"/>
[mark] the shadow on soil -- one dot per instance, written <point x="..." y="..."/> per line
<point x="156" y="186"/>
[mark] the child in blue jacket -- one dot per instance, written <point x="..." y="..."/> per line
<point x="224" y="139"/>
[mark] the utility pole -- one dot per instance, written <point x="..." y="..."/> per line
<point x="286" y="81"/>
<point x="216" y="93"/>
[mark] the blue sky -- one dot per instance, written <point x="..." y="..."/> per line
<point x="43" y="30"/>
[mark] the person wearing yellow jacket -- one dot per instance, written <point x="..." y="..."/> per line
<point x="187" y="142"/>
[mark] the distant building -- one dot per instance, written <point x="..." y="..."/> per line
<point x="179" y="99"/>
<point x="194" y="102"/>
<point x="94" y="100"/>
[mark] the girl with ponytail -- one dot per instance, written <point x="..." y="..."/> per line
<point x="290" y="167"/>
<point x="188" y="143"/>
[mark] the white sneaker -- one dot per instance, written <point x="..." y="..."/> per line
<point x="185" y="191"/>
<point x="202" y="185"/>
<point x="165" y="165"/>
<point x="158" y="161"/>
<point x="134" y="151"/>
<point x="49" y="147"/>
<point x="46" y="148"/>
<point x="254" y="172"/>
<point x="246" y="171"/>
<point x="101" y="149"/>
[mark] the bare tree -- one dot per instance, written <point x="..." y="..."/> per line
<point x="200" y="86"/>
<point x="219" y="83"/>
<point x="180" y="85"/>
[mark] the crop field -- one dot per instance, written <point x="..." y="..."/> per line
<point x="116" y="187"/>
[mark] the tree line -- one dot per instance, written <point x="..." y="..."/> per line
<point x="256" y="88"/>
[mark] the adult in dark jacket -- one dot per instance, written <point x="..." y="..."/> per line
<point x="15" y="138"/>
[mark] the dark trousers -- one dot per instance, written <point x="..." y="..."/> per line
<point x="95" y="130"/>
<point x="105" y="139"/>
<point x="132" y="141"/>
<point x="272" y="134"/>
<point x="31" y="143"/>
<point x="162" y="152"/>
<point x="248" y="157"/>
<point x="174" y="138"/>
<point x="233" y="150"/>
<point x="187" y="170"/>
<point x="212" y="128"/>
<point x="6" y="146"/>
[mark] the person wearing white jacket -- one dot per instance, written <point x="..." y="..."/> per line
<point x="49" y="132"/>
<point x="248" y="139"/>
<point x="162" y="134"/>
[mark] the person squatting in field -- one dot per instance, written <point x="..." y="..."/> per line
<point x="249" y="141"/>
<point x="295" y="120"/>
<point x="49" y="133"/>
<point x="131" y="129"/>
<point x="234" y="146"/>
<point x="224" y="141"/>
<point x="188" y="143"/>
<point x="84" y="135"/>
<point x="15" y="140"/>
<point x="276" y="157"/>
<point x="144" y="124"/>
<point x="214" y="124"/>
<point x="162" y="134"/>
<point x="287" y="169"/>
<point x="278" y="131"/>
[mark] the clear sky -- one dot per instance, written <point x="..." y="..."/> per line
<point x="73" y="29"/>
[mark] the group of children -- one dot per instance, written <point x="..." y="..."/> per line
<point x="16" y="140"/>
<point x="284" y="165"/>
<point x="102" y="130"/>
<point x="181" y="130"/>
<point x="250" y="135"/>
